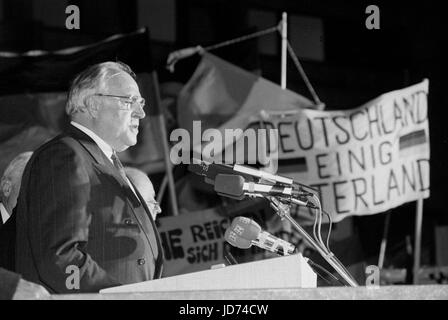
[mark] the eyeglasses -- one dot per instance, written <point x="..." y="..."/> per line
<point x="129" y="101"/>
<point x="154" y="205"/>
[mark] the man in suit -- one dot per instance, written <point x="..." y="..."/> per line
<point x="81" y="225"/>
<point x="144" y="185"/>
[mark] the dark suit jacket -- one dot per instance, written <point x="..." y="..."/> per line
<point x="8" y="242"/>
<point x="9" y="282"/>
<point x="75" y="210"/>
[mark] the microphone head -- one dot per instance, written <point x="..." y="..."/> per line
<point x="230" y="185"/>
<point x="209" y="170"/>
<point x="235" y="240"/>
<point x="246" y="228"/>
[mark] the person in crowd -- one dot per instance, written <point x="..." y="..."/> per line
<point x="81" y="225"/>
<point x="10" y="184"/>
<point x="144" y="185"/>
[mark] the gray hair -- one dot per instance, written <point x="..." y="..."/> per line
<point x="14" y="171"/>
<point x="91" y="81"/>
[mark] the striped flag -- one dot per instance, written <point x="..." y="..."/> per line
<point x="223" y="96"/>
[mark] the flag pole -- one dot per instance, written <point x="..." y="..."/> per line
<point x="166" y="149"/>
<point x="417" y="240"/>
<point x="284" y="32"/>
<point x="383" y="246"/>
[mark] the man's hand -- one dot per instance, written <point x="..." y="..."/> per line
<point x="30" y="291"/>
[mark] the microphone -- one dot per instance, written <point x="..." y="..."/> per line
<point x="209" y="170"/>
<point x="262" y="175"/>
<point x="235" y="240"/>
<point x="244" y="171"/>
<point x="236" y="186"/>
<point x="233" y="186"/>
<point x="245" y="232"/>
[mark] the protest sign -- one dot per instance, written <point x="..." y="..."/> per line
<point x="365" y="160"/>
<point x="194" y="241"/>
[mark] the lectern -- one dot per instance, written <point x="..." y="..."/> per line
<point x="286" y="272"/>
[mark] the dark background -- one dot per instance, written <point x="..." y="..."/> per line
<point x="346" y="63"/>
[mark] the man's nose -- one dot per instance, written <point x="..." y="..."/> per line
<point x="139" y="112"/>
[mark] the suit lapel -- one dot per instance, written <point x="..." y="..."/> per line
<point x="105" y="164"/>
<point x="88" y="144"/>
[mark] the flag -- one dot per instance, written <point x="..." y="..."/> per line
<point x="363" y="161"/>
<point x="44" y="71"/>
<point x="223" y="96"/>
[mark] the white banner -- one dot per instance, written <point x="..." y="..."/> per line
<point x="364" y="161"/>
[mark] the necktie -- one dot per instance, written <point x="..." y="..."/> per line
<point x="119" y="166"/>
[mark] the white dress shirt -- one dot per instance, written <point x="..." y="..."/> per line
<point x="103" y="145"/>
<point x="107" y="149"/>
<point x="4" y="213"/>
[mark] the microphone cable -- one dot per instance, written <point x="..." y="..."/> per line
<point x="317" y="225"/>
<point x="315" y="266"/>
<point x="330" y="224"/>
<point x="319" y="229"/>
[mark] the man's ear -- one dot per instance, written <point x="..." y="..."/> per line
<point x="6" y="188"/>
<point x="91" y="106"/>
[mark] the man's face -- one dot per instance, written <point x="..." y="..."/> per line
<point x="10" y="190"/>
<point x="149" y="196"/>
<point x="117" y="125"/>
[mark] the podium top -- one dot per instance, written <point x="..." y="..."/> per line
<point x="398" y="292"/>
<point x="280" y="272"/>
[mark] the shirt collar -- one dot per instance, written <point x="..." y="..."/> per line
<point x="106" y="148"/>
<point x="4" y="213"/>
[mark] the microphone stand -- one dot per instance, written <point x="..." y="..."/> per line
<point x="283" y="210"/>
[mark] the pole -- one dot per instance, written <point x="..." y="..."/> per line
<point x="162" y="188"/>
<point x="384" y="241"/>
<point x="166" y="151"/>
<point x="417" y="240"/>
<point x="284" y="49"/>
<point x="329" y="257"/>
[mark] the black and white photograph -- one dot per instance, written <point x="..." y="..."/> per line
<point x="225" y="154"/>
